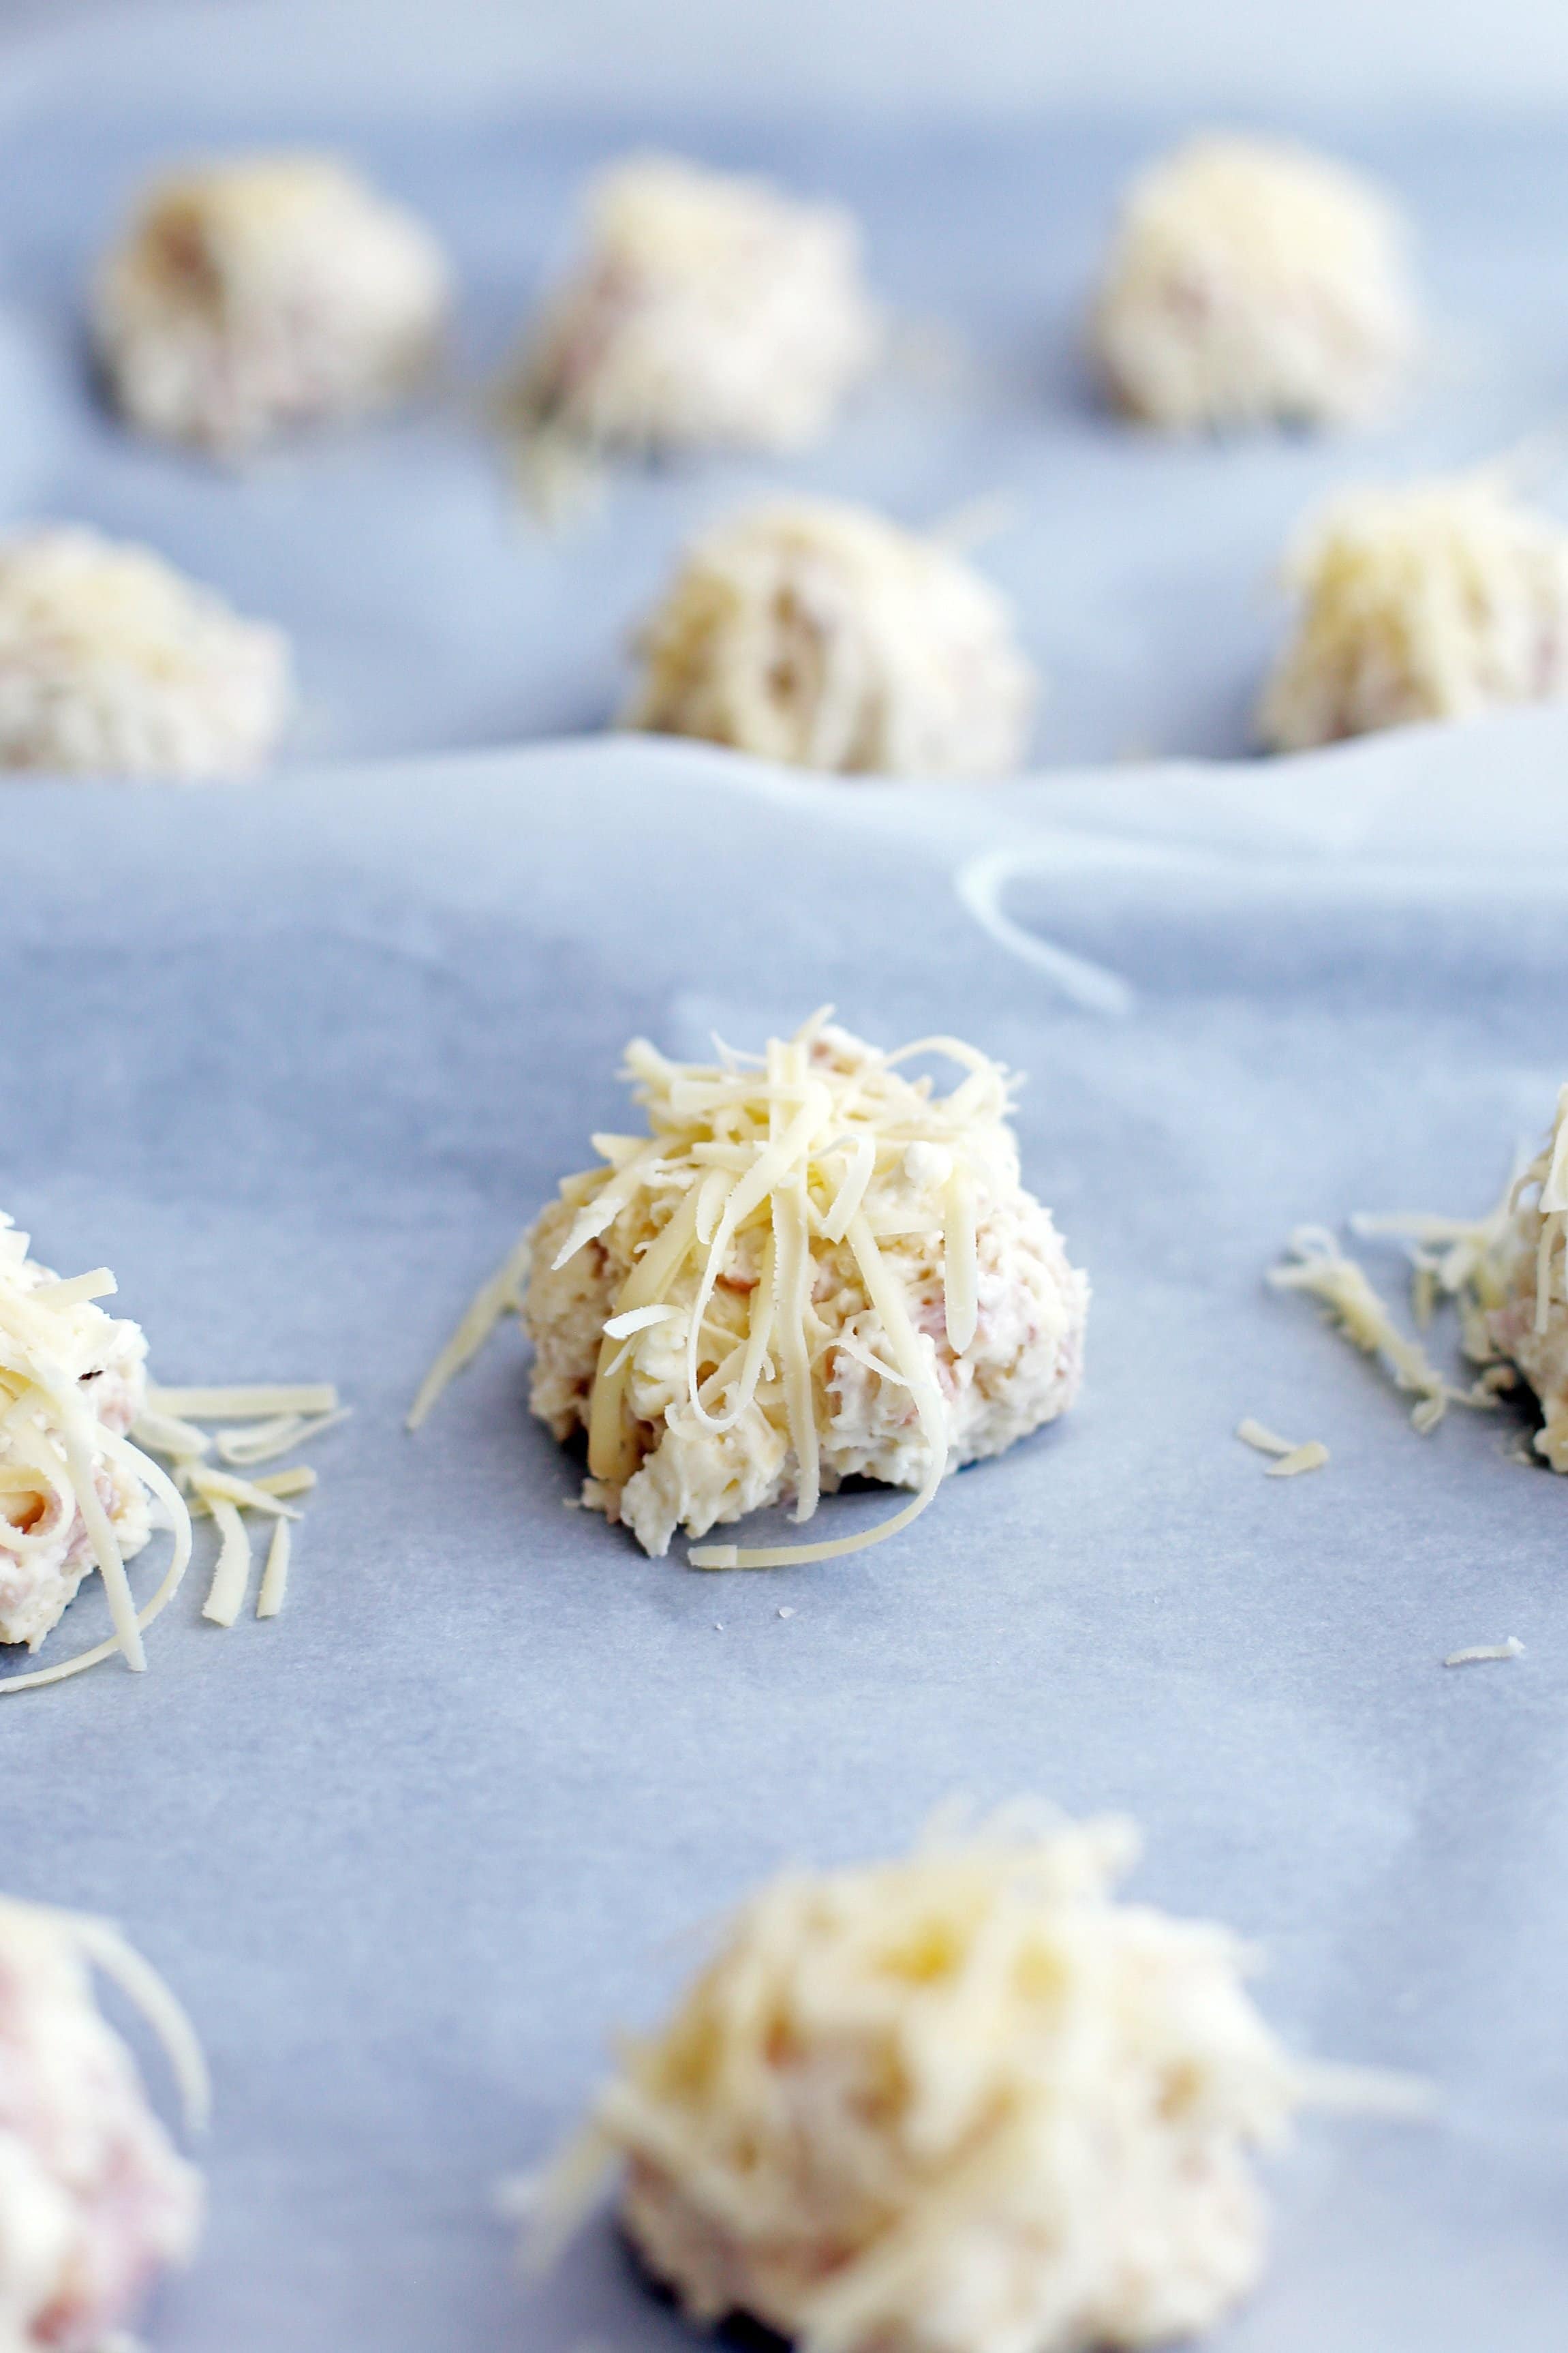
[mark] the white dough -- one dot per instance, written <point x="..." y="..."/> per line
<point x="977" y="1340"/>
<point x="267" y="292"/>
<point x="94" y="2202"/>
<point x="1249" y="283"/>
<point x="964" y="2103"/>
<point x="706" y="311"/>
<point x="112" y="663"/>
<point x="1434" y="601"/>
<point x="821" y="635"/>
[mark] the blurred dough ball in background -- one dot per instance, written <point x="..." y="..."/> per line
<point x="964" y="2099"/>
<point x="822" y="635"/>
<point x="1251" y="283"/>
<point x="112" y="663"/>
<point x="94" y="2202"/>
<point x="708" y="310"/>
<point x="1435" y="600"/>
<point x="258" y="295"/>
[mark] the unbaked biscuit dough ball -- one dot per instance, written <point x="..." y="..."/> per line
<point x="821" y="635"/>
<point x="46" y="1548"/>
<point x="273" y="292"/>
<point x="1251" y="283"/>
<point x="708" y="310"/>
<point x="1431" y="602"/>
<point x="963" y="2102"/>
<point x="112" y="663"/>
<point x="730" y="1343"/>
<point x="94" y="2202"/>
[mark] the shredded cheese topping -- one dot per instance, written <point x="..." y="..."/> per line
<point x="1430" y="602"/>
<point x="708" y="310"/>
<point x="963" y="2099"/>
<point x="819" y="633"/>
<point x="262" y="292"/>
<point x="1251" y="281"/>
<point x="765" y="1188"/>
<point x="78" y="1430"/>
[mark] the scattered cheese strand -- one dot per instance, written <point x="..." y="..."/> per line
<point x="246" y="1404"/>
<point x="1512" y="1649"/>
<point x="281" y="1435"/>
<point x="232" y="1576"/>
<point x="275" y="1577"/>
<point x="101" y="1944"/>
<point x="1321" y="1269"/>
<point x="501" y="1295"/>
<point x="1311" y="1457"/>
<point x="1291" y="1458"/>
<point x="1267" y="1442"/>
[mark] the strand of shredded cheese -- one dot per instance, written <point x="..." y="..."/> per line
<point x="499" y="1294"/>
<point x="1480" y="1651"/>
<point x="275" y="1576"/>
<point x="232" y="1575"/>
<point x="1313" y="1456"/>
<point x="1320" y="1268"/>
<point x="100" y="1943"/>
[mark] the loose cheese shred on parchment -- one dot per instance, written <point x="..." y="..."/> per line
<point x="1480" y="1652"/>
<point x="1290" y="1458"/>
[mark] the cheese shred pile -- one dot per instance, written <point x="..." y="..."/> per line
<point x="967" y="2098"/>
<point x="1505" y="1273"/>
<point x="785" y="1246"/>
<point x="79" y="1429"/>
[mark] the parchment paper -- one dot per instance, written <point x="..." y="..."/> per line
<point x="299" y="1061"/>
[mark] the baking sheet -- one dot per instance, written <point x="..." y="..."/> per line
<point x="428" y="615"/>
<point x="299" y="1060"/>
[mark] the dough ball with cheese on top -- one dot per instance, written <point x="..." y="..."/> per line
<point x="821" y="635"/>
<point x="258" y="295"/>
<point x="1251" y="283"/>
<point x="1431" y="602"/>
<point x="46" y="1544"/>
<point x="94" y="2202"/>
<point x="812" y="1267"/>
<point x="112" y="663"/>
<point x="963" y="2102"/>
<point x="709" y="311"/>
